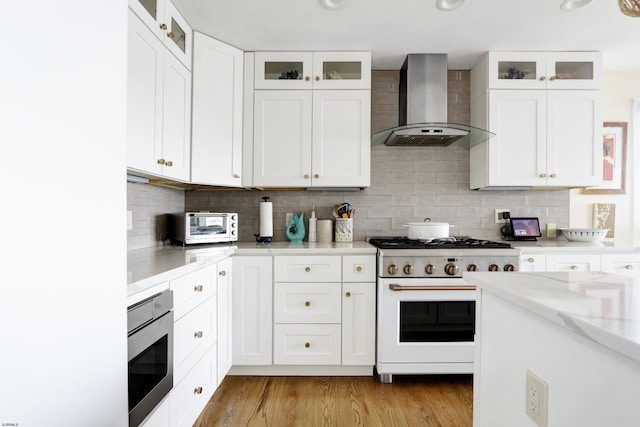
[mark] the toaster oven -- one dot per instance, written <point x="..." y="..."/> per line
<point x="203" y="227"/>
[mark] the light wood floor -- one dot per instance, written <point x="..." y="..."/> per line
<point x="341" y="401"/>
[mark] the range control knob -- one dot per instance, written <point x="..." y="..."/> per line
<point x="494" y="267"/>
<point x="408" y="269"/>
<point x="429" y="268"/>
<point x="509" y="267"/>
<point x="472" y="267"/>
<point x="392" y="269"/>
<point x="451" y="269"/>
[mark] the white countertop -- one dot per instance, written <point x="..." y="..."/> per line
<point x="561" y="245"/>
<point x="306" y="248"/>
<point x="600" y="306"/>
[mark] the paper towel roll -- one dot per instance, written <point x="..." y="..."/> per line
<point x="266" y="219"/>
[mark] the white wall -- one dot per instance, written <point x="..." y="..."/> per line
<point x="63" y="278"/>
<point x="619" y="90"/>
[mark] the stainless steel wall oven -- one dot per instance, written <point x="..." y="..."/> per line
<point x="150" y="348"/>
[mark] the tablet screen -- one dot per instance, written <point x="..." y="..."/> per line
<point x="525" y="227"/>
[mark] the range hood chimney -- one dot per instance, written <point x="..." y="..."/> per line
<point x="423" y="108"/>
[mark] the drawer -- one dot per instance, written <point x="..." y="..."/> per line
<point x="577" y="262"/>
<point x="532" y="263"/>
<point x="307" y="268"/>
<point x="622" y="264"/>
<point x="189" y="396"/>
<point x="193" y="334"/>
<point x="307" y="303"/>
<point x="306" y="344"/>
<point x="192" y="289"/>
<point x="359" y="268"/>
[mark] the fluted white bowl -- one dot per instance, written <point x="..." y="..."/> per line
<point x="584" y="234"/>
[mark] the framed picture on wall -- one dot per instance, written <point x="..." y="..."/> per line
<point x="614" y="160"/>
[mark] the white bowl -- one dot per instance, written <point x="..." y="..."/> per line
<point x="584" y="234"/>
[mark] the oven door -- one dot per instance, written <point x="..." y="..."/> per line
<point x="425" y="321"/>
<point x="150" y="369"/>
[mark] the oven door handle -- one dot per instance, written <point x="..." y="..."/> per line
<point x="396" y="287"/>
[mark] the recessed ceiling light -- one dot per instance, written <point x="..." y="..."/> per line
<point x="335" y="4"/>
<point x="574" y="4"/>
<point x="449" y="4"/>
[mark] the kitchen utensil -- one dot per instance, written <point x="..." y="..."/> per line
<point x="584" y="234"/>
<point x="428" y="229"/>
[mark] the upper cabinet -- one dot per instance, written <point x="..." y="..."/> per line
<point x="216" y="138"/>
<point x="164" y="20"/>
<point x="158" y="106"/>
<point x="545" y="110"/>
<point x="312" y="70"/>
<point x="310" y="128"/>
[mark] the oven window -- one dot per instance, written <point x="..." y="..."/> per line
<point x="147" y="369"/>
<point x="437" y="321"/>
<point x="207" y="225"/>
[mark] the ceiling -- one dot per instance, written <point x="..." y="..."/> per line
<point x="390" y="29"/>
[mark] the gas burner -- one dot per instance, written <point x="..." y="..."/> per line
<point x="460" y="242"/>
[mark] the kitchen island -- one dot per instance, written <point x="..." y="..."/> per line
<point x="577" y="331"/>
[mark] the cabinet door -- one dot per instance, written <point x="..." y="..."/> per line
<point x="342" y="70"/>
<point x="573" y="262"/>
<point x="176" y="119"/>
<point x="178" y="34"/>
<point x="224" y="269"/>
<point x="341" y="138"/>
<point x="574" y="138"/>
<point x="216" y="134"/>
<point x="151" y="12"/>
<point x="358" y="323"/>
<point x="252" y="319"/>
<point x="283" y="70"/>
<point x="517" y="154"/>
<point x="144" y="98"/>
<point x="622" y="264"/>
<point x="574" y="70"/>
<point x="282" y="138"/>
<point x="517" y="70"/>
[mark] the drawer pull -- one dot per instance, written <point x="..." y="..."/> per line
<point x="307" y="345"/>
<point x="359" y="269"/>
<point x="223" y="273"/>
<point x="574" y="267"/>
<point x="197" y="390"/>
<point x="348" y="294"/>
<point x="629" y="267"/>
<point x="198" y="334"/>
<point x="197" y="288"/>
<point x="307" y="269"/>
<point x="307" y="303"/>
<point x="531" y="260"/>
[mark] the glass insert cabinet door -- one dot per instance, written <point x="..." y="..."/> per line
<point x="544" y="70"/>
<point x="312" y="70"/>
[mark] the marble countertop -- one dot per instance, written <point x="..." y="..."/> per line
<point x="562" y="245"/>
<point x="306" y="248"/>
<point x="600" y="306"/>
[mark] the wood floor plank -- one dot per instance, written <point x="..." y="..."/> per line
<point x="434" y="400"/>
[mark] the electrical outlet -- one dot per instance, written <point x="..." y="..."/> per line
<point x="288" y="217"/>
<point x="537" y="399"/>
<point x="498" y="216"/>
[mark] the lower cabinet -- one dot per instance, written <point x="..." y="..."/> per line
<point x="573" y="262"/>
<point x="622" y="264"/>
<point x="625" y="264"/>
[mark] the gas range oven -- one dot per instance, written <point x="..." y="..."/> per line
<point x="426" y="311"/>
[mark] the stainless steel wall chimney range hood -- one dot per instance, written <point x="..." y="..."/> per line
<point x="423" y="108"/>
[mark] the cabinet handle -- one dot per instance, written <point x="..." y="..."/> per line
<point x="163" y="26"/>
<point x="236" y="175"/>
<point x="306" y="176"/>
<point x="543" y="175"/>
<point x="169" y="163"/>
<point x="161" y="161"/>
<point x="307" y="269"/>
<point x="223" y="273"/>
<point x="531" y="260"/>
<point x="543" y="78"/>
<point x="574" y="267"/>
<point x="307" y="345"/>
<point x="198" y="334"/>
<point x="307" y="78"/>
<point x="197" y="288"/>
<point x="348" y="294"/>
<point x="359" y="269"/>
<point x="553" y="175"/>
<point x="197" y="390"/>
<point x="307" y="303"/>
<point x="629" y="267"/>
<point x="552" y="78"/>
<point x="317" y="78"/>
<point x="316" y="176"/>
<point x="170" y="35"/>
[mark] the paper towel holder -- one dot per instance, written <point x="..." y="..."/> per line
<point x="264" y="239"/>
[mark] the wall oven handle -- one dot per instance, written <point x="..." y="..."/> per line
<point x="396" y="287"/>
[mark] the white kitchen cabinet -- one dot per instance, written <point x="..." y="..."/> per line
<point x="312" y="138"/>
<point x="573" y="262"/>
<point x="358" y="309"/>
<point x="167" y="24"/>
<point x="158" y="106"/>
<point x="626" y="264"/>
<point x="189" y="397"/>
<point x="216" y="133"/>
<point x="306" y="344"/>
<point x="309" y="269"/>
<point x="252" y="313"/>
<point x="312" y="70"/>
<point x="532" y="262"/>
<point x="159" y="417"/>
<point x="224" y="310"/>
<point x="544" y="137"/>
